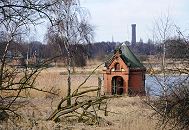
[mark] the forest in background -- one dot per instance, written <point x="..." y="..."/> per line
<point x="175" y="49"/>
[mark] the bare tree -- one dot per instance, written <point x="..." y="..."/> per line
<point x="71" y="27"/>
<point x="163" y="31"/>
<point x="16" y="17"/>
<point x="171" y="105"/>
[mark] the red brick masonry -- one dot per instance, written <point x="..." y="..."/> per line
<point x="120" y="79"/>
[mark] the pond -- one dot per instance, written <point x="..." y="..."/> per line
<point x="154" y="84"/>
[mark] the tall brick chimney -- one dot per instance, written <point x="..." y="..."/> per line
<point x="133" y="41"/>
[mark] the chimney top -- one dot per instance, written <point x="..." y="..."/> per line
<point x="133" y="41"/>
<point x="133" y="24"/>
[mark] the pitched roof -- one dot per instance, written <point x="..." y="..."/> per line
<point x="129" y="58"/>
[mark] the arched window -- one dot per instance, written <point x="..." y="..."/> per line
<point x="117" y="66"/>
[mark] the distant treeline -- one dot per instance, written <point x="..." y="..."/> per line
<point x="175" y="48"/>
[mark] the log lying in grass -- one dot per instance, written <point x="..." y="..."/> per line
<point x="83" y="107"/>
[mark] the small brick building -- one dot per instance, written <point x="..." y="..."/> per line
<point x="124" y="74"/>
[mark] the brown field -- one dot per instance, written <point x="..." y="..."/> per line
<point x="56" y="79"/>
<point x="126" y="113"/>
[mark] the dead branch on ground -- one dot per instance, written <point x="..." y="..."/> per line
<point x="84" y="108"/>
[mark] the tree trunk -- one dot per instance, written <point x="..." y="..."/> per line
<point x="69" y="80"/>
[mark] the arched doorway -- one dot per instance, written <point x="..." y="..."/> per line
<point x="117" y="85"/>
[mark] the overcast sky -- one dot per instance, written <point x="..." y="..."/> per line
<point x="114" y="17"/>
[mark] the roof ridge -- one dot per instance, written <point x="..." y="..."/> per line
<point x="127" y="53"/>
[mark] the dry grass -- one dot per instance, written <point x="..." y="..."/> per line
<point x="56" y="79"/>
<point x="126" y="113"/>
